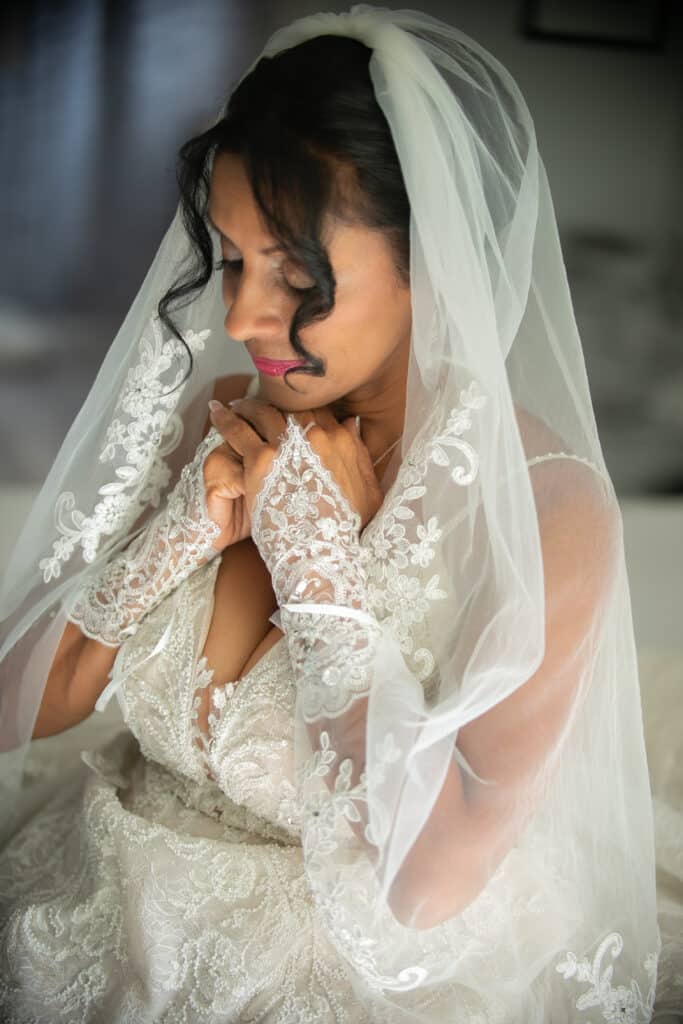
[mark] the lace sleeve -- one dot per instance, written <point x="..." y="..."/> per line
<point x="309" y="537"/>
<point x="175" y="541"/>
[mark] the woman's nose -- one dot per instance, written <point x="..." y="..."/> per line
<point x="253" y="313"/>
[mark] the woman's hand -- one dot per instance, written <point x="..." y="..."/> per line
<point x="226" y="504"/>
<point x="253" y="430"/>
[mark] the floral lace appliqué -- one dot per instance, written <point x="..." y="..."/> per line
<point x="324" y="814"/>
<point x="618" y="1004"/>
<point x="146" y="428"/>
<point x="397" y="546"/>
<point x="301" y="515"/>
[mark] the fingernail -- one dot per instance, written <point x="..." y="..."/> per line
<point x="215" y="406"/>
<point x="358" y="425"/>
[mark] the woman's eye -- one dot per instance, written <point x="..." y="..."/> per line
<point x="299" y="289"/>
<point x="234" y="266"/>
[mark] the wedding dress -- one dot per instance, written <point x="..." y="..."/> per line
<point x="143" y="891"/>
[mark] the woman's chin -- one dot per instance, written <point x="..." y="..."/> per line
<point x="308" y="394"/>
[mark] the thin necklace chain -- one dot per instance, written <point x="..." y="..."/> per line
<point x="389" y="449"/>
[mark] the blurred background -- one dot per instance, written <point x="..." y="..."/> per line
<point x="96" y="96"/>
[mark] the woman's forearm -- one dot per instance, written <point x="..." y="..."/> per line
<point x="439" y="876"/>
<point x="78" y="675"/>
<point x="112" y="602"/>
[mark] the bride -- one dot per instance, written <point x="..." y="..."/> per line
<point x="368" y="622"/>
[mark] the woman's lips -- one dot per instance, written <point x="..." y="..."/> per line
<point x="275" y="367"/>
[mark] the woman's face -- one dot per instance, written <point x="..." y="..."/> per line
<point x="364" y="342"/>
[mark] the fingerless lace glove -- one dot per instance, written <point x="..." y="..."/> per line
<point x="309" y="538"/>
<point x="176" y="541"/>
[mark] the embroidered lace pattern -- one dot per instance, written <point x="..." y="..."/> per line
<point x="399" y="549"/>
<point x="175" y="542"/>
<point x="244" y="754"/>
<point x="144" y="429"/>
<point x="159" y="691"/>
<point x="300" y="514"/>
<point x="308" y="537"/>
<point x="618" y="1004"/>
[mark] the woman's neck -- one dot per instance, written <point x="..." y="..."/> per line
<point x="381" y="407"/>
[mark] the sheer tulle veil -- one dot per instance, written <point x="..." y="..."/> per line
<point x="501" y="534"/>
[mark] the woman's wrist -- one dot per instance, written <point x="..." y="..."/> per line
<point x="339" y="581"/>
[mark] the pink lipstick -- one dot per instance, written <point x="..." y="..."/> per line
<point x="275" y="367"/>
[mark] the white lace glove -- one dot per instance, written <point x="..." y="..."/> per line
<point x="308" y="537"/>
<point x="176" y="541"/>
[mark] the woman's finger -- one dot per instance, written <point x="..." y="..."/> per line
<point x="265" y="419"/>
<point x="237" y="432"/>
<point x="324" y="417"/>
<point x="351" y="424"/>
<point x="223" y="467"/>
<point x="364" y="459"/>
<point x="305" y="418"/>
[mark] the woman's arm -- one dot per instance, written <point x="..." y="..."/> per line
<point x="471" y="828"/>
<point x="82" y="664"/>
<point x="79" y="672"/>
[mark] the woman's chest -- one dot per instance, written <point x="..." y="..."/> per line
<point x="239" y="632"/>
<point x="167" y="675"/>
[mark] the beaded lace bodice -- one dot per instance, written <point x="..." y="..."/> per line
<point x="248" y="752"/>
<point x="252" y="740"/>
<point x="160" y="697"/>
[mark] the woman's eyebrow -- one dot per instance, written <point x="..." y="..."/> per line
<point x="265" y="252"/>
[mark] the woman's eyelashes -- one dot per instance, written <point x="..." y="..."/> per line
<point x="224" y="264"/>
<point x="234" y="267"/>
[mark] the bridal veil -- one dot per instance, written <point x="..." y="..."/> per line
<point x="502" y="535"/>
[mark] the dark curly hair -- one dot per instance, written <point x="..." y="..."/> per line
<point x="314" y="141"/>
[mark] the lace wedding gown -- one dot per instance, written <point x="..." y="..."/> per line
<point x="145" y="891"/>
